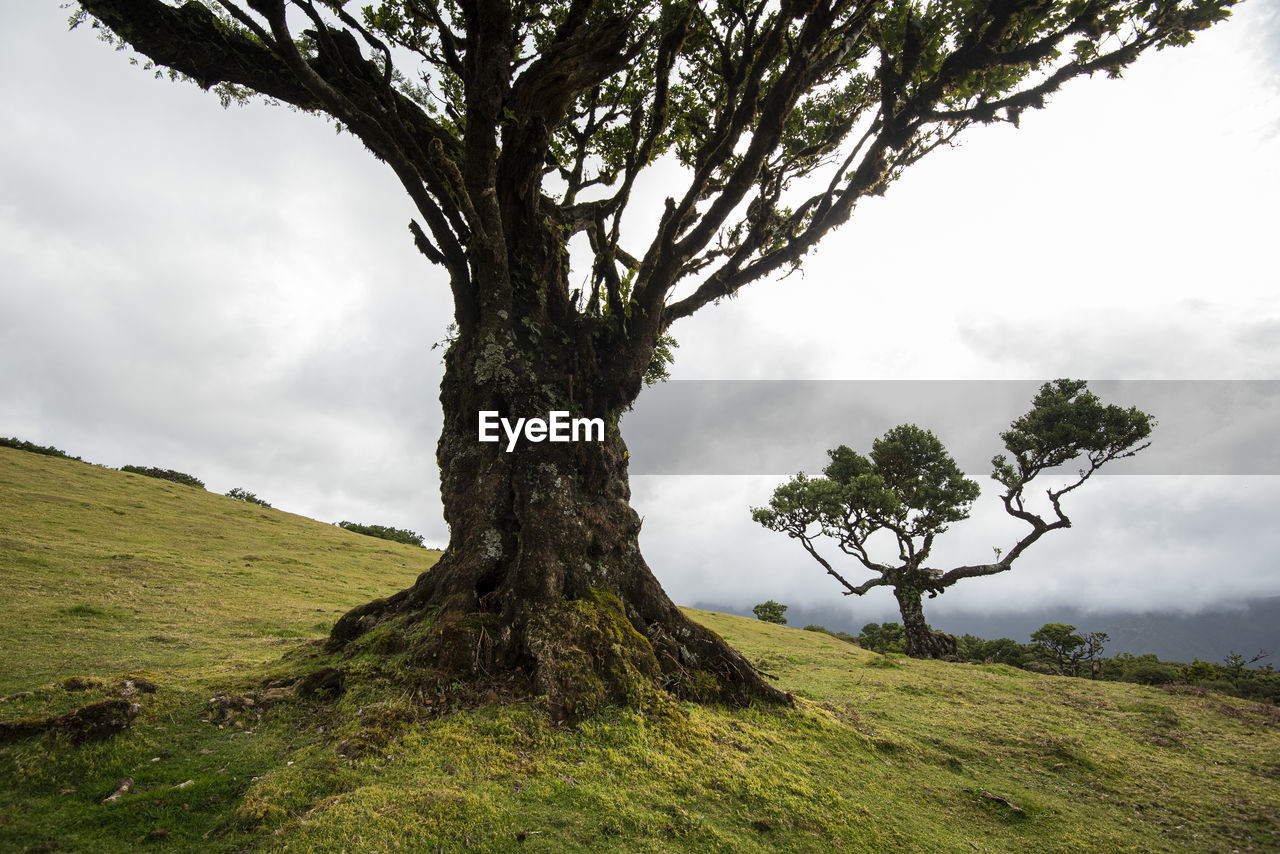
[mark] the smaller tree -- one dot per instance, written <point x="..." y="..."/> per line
<point x="881" y="637"/>
<point x="911" y="489"/>
<point x="771" y="612"/>
<point x="1091" y="654"/>
<point x="1234" y="664"/>
<point x="1060" y="644"/>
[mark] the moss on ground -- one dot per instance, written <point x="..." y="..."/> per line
<point x="567" y="642"/>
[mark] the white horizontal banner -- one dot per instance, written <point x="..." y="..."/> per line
<point x="700" y="427"/>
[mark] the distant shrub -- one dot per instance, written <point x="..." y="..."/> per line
<point x="999" y="651"/>
<point x="31" y="447"/>
<point x="1147" y="670"/>
<point x="844" y="636"/>
<point x="241" y="495"/>
<point x="1041" y="667"/>
<point x="398" y="535"/>
<point x="1262" y="687"/>
<point x="1221" y="686"/>
<point x="166" y="474"/>
<point x="770" y="612"/>
<point x="1198" y="671"/>
<point x="1235" y="676"/>
<point x="84" y="611"/>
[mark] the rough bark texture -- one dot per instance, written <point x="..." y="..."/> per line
<point x="543" y="583"/>
<point x="921" y="641"/>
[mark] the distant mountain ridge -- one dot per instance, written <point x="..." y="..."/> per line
<point x="1209" y="635"/>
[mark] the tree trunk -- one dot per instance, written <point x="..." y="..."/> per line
<point x="542" y="588"/>
<point x="921" y="641"/>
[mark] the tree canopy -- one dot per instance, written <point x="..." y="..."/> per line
<point x="779" y="116"/>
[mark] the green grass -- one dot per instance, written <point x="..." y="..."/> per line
<point x="108" y="572"/>
<point x="109" y="575"/>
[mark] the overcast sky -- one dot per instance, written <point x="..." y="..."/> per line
<point x="235" y="294"/>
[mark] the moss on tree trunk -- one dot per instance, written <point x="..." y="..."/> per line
<point x="543" y="586"/>
<point x="920" y="640"/>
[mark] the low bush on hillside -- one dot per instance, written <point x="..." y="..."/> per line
<point x="844" y="636"/>
<point x="33" y="448"/>
<point x="1080" y="655"/>
<point x="1144" y="670"/>
<point x="243" y="495"/>
<point x="398" y="535"/>
<point x="1234" y="677"/>
<point x="166" y="474"/>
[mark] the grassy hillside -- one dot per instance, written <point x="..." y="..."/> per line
<point x="124" y="581"/>
<point x="106" y="572"/>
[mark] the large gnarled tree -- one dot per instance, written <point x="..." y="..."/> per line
<point x="516" y="128"/>
<point x="909" y="491"/>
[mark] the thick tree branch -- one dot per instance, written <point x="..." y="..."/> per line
<point x="850" y="589"/>
<point x="867" y="180"/>
<point x="764" y="112"/>
<point x="541" y="96"/>
<point x="451" y="44"/>
<point x="486" y="78"/>
<point x="192" y="41"/>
